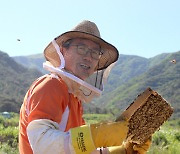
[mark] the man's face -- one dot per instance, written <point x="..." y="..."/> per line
<point x="81" y="64"/>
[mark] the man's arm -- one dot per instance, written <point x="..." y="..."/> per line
<point x="44" y="137"/>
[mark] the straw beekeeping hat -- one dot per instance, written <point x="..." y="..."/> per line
<point x="86" y="30"/>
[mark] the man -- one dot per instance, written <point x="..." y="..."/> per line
<point x="51" y="115"/>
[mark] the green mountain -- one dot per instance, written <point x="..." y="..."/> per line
<point x="31" y="61"/>
<point x="159" y="73"/>
<point x="132" y="75"/>
<point x="127" y="67"/>
<point x="14" y="81"/>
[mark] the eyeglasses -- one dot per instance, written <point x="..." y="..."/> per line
<point x="83" y="50"/>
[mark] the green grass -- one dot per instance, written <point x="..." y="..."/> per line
<point x="165" y="141"/>
<point x="95" y="118"/>
<point x="9" y="134"/>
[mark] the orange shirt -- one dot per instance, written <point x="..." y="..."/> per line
<point x="48" y="98"/>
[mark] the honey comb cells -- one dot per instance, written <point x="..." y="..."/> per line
<point x="145" y="115"/>
<point x="148" y="118"/>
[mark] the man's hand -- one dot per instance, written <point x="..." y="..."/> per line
<point x="88" y="138"/>
<point x="133" y="148"/>
<point x="109" y="134"/>
<point x="128" y="148"/>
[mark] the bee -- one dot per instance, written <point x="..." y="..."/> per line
<point x="173" y="61"/>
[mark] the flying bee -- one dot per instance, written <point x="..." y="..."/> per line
<point x="173" y="61"/>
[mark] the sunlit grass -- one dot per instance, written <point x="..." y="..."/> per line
<point x="95" y="118"/>
<point x="165" y="141"/>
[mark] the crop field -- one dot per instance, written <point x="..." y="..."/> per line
<point x="165" y="141"/>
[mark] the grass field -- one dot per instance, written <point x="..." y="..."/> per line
<point x="165" y="141"/>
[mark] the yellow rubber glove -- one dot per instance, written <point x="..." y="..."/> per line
<point x="133" y="148"/>
<point x="109" y="134"/>
<point x="130" y="148"/>
<point x="116" y="150"/>
<point x="86" y="138"/>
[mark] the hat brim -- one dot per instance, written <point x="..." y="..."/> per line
<point x="109" y="56"/>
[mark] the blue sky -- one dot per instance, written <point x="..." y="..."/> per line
<point x="136" y="27"/>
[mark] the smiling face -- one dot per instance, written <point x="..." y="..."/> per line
<point x="81" y="65"/>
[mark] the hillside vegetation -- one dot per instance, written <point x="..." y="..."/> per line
<point x="15" y="80"/>
<point x="166" y="140"/>
<point x="131" y="76"/>
<point x="161" y="75"/>
<point x="31" y="61"/>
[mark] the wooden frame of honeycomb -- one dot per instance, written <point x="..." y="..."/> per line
<point x="145" y="115"/>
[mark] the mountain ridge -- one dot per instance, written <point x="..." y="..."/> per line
<point x="15" y="80"/>
<point x="131" y="75"/>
